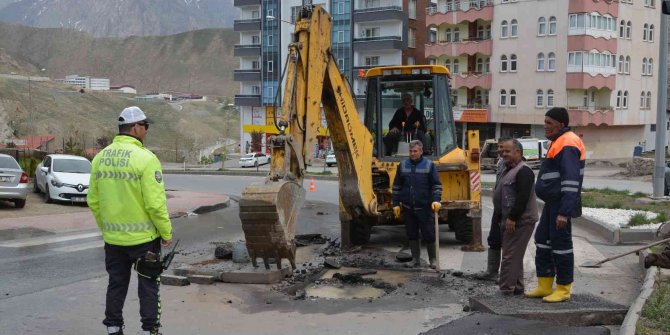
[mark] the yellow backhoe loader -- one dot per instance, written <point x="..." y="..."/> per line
<point x="366" y="165"/>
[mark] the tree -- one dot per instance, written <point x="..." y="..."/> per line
<point x="72" y="146"/>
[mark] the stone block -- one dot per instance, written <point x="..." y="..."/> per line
<point x="202" y="279"/>
<point x="173" y="280"/>
<point x="256" y="276"/>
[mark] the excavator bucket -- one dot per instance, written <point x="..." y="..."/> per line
<point x="268" y="212"/>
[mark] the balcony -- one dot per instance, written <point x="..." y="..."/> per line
<point x="247" y="75"/>
<point x="382" y="10"/>
<point x="241" y="3"/>
<point x="460" y="11"/>
<point x="589" y="6"/>
<point x="467" y="47"/>
<point x="252" y="100"/>
<point x="586" y="42"/>
<point x="471" y="80"/>
<point x="379" y="43"/>
<point x="585" y="116"/>
<point x="246" y="50"/>
<point x="247" y="25"/>
<point x="585" y="81"/>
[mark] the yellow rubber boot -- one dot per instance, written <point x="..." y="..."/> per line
<point x="562" y="293"/>
<point x="544" y="288"/>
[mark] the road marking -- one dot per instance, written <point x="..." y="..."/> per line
<point x="31" y="242"/>
<point x="79" y="247"/>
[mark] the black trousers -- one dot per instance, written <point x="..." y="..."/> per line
<point x="494" y="239"/>
<point x="418" y="224"/>
<point x="119" y="262"/>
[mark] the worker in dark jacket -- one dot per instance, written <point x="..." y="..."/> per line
<point x="559" y="185"/>
<point x="494" y="239"/>
<point x="515" y="214"/>
<point x="417" y="188"/>
<point x="408" y="123"/>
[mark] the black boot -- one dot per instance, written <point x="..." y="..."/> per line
<point x="415" y="249"/>
<point x="492" y="266"/>
<point x="432" y="254"/>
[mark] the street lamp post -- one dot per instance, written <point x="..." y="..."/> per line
<point x="661" y="107"/>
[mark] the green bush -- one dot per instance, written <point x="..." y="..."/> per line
<point x="661" y="217"/>
<point x="29" y="164"/>
<point x="657" y="307"/>
<point x="638" y="220"/>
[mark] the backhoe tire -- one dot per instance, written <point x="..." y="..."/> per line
<point x="359" y="232"/>
<point x="462" y="225"/>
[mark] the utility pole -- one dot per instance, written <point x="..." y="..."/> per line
<point x="661" y="108"/>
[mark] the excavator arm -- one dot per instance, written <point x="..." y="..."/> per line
<point x="269" y="210"/>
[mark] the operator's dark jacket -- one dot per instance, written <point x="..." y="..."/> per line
<point x="399" y="117"/>
<point x="562" y="173"/>
<point x="416" y="184"/>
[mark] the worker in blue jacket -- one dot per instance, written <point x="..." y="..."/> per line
<point x="417" y="188"/>
<point x="559" y="185"/>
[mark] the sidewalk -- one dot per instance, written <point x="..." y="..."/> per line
<point x="179" y="203"/>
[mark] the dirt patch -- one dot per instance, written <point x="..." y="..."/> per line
<point x="35" y="206"/>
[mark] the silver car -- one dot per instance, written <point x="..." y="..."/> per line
<point x="13" y="181"/>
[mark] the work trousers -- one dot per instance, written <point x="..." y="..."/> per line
<point x="513" y="249"/>
<point x="418" y="224"/>
<point x="119" y="262"/>
<point x="391" y="140"/>
<point x="554" y="255"/>
<point x="494" y="239"/>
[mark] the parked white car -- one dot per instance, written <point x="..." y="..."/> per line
<point x="330" y="159"/>
<point x="254" y="159"/>
<point x="13" y="181"/>
<point x="63" y="178"/>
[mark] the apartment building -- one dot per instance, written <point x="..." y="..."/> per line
<point x="365" y="33"/>
<point x="86" y="82"/>
<point x="514" y="59"/>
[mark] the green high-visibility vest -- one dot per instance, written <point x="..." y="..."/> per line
<point x="126" y="194"/>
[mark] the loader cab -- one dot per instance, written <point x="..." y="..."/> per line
<point x="418" y="94"/>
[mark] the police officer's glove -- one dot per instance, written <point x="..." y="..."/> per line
<point x="436" y="206"/>
<point x="396" y="212"/>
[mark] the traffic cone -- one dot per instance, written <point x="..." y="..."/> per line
<point x="312" y="187"/>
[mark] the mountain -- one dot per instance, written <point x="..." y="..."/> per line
<point x="198" y="62"/>
<point x="121" y="18"/>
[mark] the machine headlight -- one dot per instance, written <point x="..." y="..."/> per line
<point x="56" y="182"/>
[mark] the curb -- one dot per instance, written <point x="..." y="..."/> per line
<point x="630" y="321"/>
<point x="240" y="173"/>
<point x="202" y="209"/>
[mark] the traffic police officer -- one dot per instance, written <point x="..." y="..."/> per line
<point x="559" y="185"/>
<point x="416" y="184"/>
<point x="127" y="198"/>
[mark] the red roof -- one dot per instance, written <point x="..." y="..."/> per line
<point x="33" y="141"/>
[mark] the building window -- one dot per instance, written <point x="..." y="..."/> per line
<point x="457" y="35"/>
<point x="270" y="66"/>
<point x="371" y="32"/>
<point x="432" y="36"/>
<point x="488" y="32"/>
<point x="551" y="62"/>
<point x="255" y="90"/>
<point x="456" y="67"/>
<point x="270" y="39"/>
<point x="503" y="63"/>
<point x="618" y="99"/>
<point x="487" y="65"/>
<point x="372" y="61"/>
<point x="432" y="61"/>
<point x="643" y="100"/>
<point x="552" y="25"/>
<point x="480" y="65"/>
<point x="512" y="98"/>
<point x="540" y="62"/>
<point x="270" y="12"/>
<point x="626" y="65"/>
<point x="650" y="37"/>
<point x="539" y="98"/>
<point x="411" y="38"/>
<point x="411" y="9"/>
<point x="550" y="98"/>
<point x="340" y="36"/>
<point x="650" y="67"/>
<point x="644" y="66"/>
<point x="503" y="98"/>
<point x="622" y="29"/>
<point x="512" y="63"/>
<point x="447" y="63"/>
<point x="255" y="65"/>
<point x="629" y="28"/>
<point x="480" y="32"/>
<point x="645" y="29"/>
<point x="621" y="61"/>
<point x="340" y="64"/>
<point x="625" y="100"/>
<point x="541" y="26"/>
<point x="504" y="29"/>
<point x="411" y="60"/>
<point x="514" y="28"/>
<point x="648" y="100"/>
<point x="447" y="35"/>
<point x="255" y="40"/>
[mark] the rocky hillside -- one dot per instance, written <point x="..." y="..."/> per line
<point x="198" y="62"/>
<point x="120" y="18"/>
